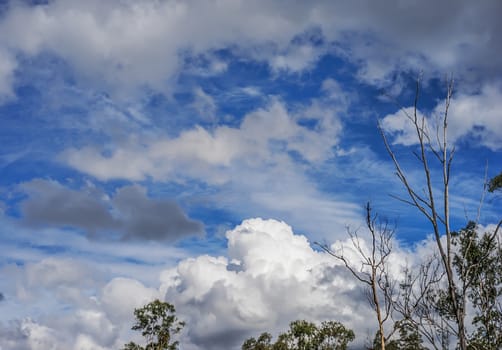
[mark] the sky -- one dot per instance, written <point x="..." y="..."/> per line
<point x="194" y="151"/>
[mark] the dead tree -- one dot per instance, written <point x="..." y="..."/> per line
<point x="373" y="271"/>
<point x="432" y="204"/>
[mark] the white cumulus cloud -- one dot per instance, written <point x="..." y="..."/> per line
<point x="268" y="277"/>
<point x="474" y="118"/>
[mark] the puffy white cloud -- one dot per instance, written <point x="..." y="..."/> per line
<point x="400" y="126"/>
<point x="261" y="246"/>
<point x="198" y="151"/>
<point x="52" y="272"/>
<point x="94" y="324"/>
<point x="296" y="58"/>
<point x="122" y="295"/>
<point x="268" y="277"/>
<point x="96" y="317"/>
<point x="66" y="278"/>
<point x="84" y="342"/>
<point x="130" y="44"/>
<point x="476" y="116"/>
<point x="39" y="337"/>
<point x="31" y="335"/>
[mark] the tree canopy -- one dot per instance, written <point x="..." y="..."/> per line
<point x="158" y="323"/>
<point x="303" y="335"/>
<point x="495" y="183"/>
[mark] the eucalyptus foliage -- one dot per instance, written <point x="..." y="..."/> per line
<point x="158" y="324"/>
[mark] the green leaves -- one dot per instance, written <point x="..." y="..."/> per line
<point x="157" y="323"/>
<point x="262" y="343"/>
<point x="303" y="335"/>
<point x="478" y="262"/>
<point x="495" y="183"/>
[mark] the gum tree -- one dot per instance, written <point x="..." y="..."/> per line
<point x="158" y="324"/>
<point x="304" y="335"/>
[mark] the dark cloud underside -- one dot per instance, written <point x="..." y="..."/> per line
<point x="130" y="214"/>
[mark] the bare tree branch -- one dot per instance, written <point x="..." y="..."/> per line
<point x="374" y="272"/>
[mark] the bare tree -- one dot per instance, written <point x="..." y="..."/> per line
<point x="464" y="261"/>
<point x="373" y="271"/>
<point x="434" y="204"/>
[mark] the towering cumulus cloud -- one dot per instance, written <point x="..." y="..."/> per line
<point x="269" y="277"/>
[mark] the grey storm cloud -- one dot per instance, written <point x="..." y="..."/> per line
<point x="226" y="339"/>
<point x="152" y="219"/>
<point x="49" y="203"/>
<point x="129" y="213"/>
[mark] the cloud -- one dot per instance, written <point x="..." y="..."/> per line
<point x="133" y="258"/>
<point x="127" y="45"/>
<point x="11" y="336"/>
<point x="198" y="152"/>
<point x="96" y="315"/>
<point x="51" y="272"/>
<point x="263" y="159"/>
<point x="84" y="342"/>
<point x="476" y="118"/>
<point x="121" y="296"/>
<point x="130" y="213"/>
<point x="30" y="335"/>
<point x="473" y="118"/>
<point x="7" y="69"/>
<point x="151" y="219"/>
<point x="39" y="336"/>
<point x="296" y="58"/>
<point x="268" y="277"/>
<point x="204" y="105"/>
<point x="51" y="203"/>
<point x="401" y="128"/>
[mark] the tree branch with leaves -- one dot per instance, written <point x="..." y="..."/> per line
<point x="158" y="324"/>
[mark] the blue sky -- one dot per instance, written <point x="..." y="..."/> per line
<point x="137" y="135"/>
